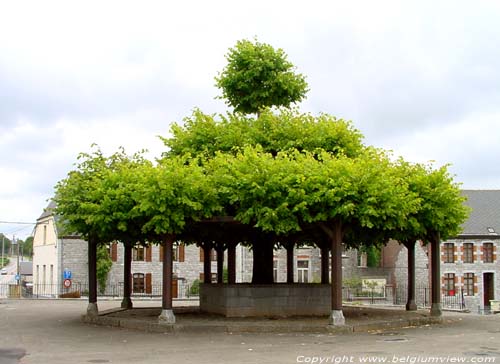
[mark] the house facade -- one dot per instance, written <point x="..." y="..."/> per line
<point x="469" y="262"/>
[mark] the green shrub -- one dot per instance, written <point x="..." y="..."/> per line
<point x="194" y="290"/>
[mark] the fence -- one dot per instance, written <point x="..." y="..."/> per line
<point x="398" y="295"/>
<point x="390" y="295"/>
<point x="79" y="289"/>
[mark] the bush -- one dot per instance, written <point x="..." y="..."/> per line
<point x="194" y="290"/>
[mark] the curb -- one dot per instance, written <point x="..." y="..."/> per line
<point x="236" y="328"/>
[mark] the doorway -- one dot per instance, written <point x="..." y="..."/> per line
<point x="488" y="289"/>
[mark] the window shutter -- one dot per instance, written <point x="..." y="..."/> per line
<point x="181" y="252"/>
<point x="148" y="283"/>
<point x="114" y="252"/>
<point x="161" y="253"/>
<point x="148" y="253"/>
<point x="202" y="255"/>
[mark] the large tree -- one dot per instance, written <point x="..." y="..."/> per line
<point x="258" y="76"/>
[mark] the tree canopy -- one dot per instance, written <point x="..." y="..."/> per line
<point x="281" y="175"/>
<point x="258" y="76"/>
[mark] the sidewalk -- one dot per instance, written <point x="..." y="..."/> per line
<point x="189" y="319"/>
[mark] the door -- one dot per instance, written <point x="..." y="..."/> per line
<point x="488" y="288"/>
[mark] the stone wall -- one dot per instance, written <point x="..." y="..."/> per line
<point x="276" y="300"/>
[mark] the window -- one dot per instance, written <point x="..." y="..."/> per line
<point x="448" y="250"/>
<point x="177" y="253"/>
<point x="449" y="284"/>
<point x="302" y="271"/>
<point x="138" y="254"/>
<point x="138" y="283"/>
<point x="44" y="278"/>
<point x="488" y="253"/>
<point x="213" y="255"/>
<point x="44" y="234"/>
<point x="362" y="259"/>
<point x="213" y="276"/>
<point x="51" y="274"/>
<point x="468" y="253"/>
<point x="113" y="252"/>
<point x="469" y="284"/>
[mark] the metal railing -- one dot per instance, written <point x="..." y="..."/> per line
<point x="80" y="289"/>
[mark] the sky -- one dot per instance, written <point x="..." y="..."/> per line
<point x="419" y="78"/>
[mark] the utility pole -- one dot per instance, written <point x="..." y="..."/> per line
<point x="17" y="275"/>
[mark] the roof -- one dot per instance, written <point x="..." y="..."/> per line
<point x="49" y="210"/>
<point x="26" y="268"/>
<point x="485" y="213"/>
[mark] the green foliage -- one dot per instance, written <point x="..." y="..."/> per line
<point x="284" y="130"/>
<point x="441" y="206"/>
<point x="282" y="193"/>
<point x="4" y="262"/>
<point x="194" y="290"/>
<point x="175" y="192"/>
<point x="104" y="265"/>
<point x="352" y="282"/>
<point x="257" y="76"/>
<point x="373" y="256"/>
<point x="27" y="246"/>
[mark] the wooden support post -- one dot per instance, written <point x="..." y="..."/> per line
<point x="436" y="276"/>
<point x="207" y="263"/>
<point x="127" y="272"/>
<point x="220" y="263"/>
<point x="231" y="263"/>
<point x="325" y="266"/>
<point x="167" y="314"/>
<point x="289" y="263"/>
<point x="92" y="309"/>
<point x="337" y="316"/>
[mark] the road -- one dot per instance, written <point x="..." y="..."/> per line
<point x="50" y="332"/>
<point x="10" y="277"/>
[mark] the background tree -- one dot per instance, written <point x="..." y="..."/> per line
<point x="258" y="76"/>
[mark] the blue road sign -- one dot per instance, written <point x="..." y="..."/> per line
<point x="67" y="274"/>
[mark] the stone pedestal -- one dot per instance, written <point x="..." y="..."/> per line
<point x="436" y="309"/>
<point x="337" y="318"/>
<point x="92" y="310"/>
<point x="167" y="317"/>
<point x="127" y="303"/>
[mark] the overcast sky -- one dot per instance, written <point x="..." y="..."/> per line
<point x="421" y="78"/>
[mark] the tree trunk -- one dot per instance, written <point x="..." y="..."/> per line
<point x="436" y="275"/>
<point x="263" y="254"/>
<point x="92" y="257"/>
<point x="127" y="265"/>
<point x="410" y="303"/>
<point x="231" y="263"/>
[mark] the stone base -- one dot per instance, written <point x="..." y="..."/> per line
<point x="411" y="306"/>
<point x="436" y="309"/>
<point x="127" y="303"/>
<point x="337" y="318"/>
<point x="92" y="310"/>
<point x="166" y="317"/>
<point x="266" y="300"/>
